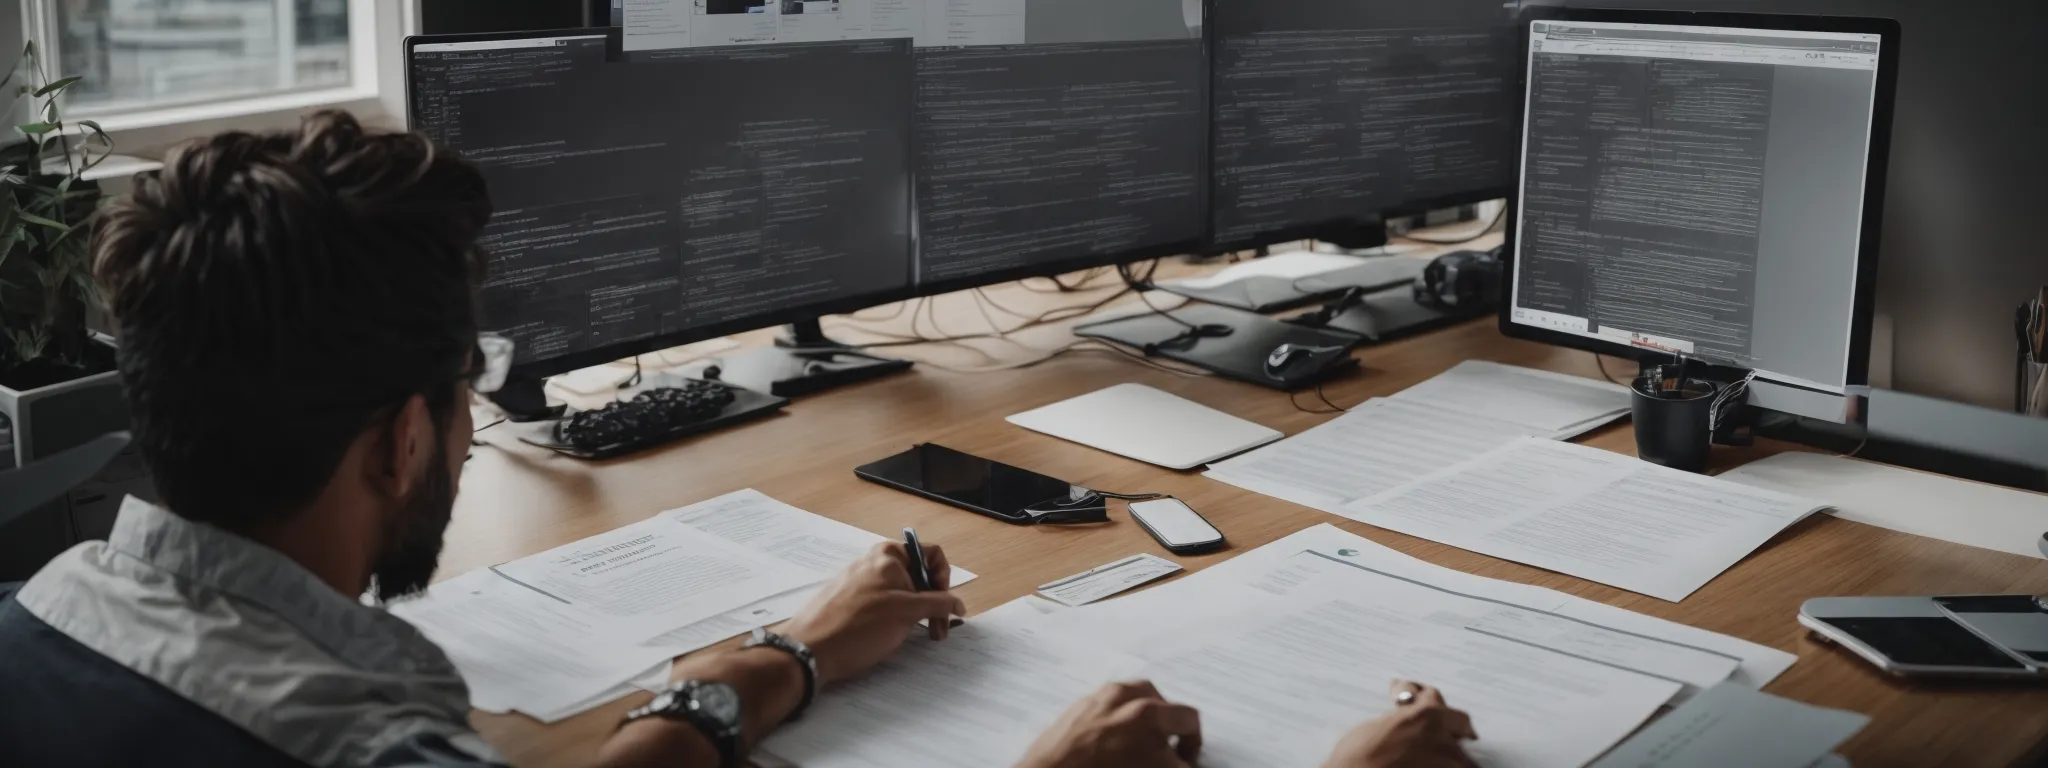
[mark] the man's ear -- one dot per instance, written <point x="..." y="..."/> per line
<point x="407" y="443"/>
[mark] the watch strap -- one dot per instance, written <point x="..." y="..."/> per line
<point x="680" y="697"/>
<point x="805" y="659"/>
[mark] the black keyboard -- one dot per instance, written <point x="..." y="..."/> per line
<point x="658" y="416"/>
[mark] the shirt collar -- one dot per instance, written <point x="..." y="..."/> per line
<point x="202" y="554"/>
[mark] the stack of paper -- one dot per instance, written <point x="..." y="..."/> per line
<point x="561" y="632"/>
<point x="1732" y="725"/>
<point x="1590" y="513"/>
<point x="1284" y="649"/>
<point x="1467" y="411"/>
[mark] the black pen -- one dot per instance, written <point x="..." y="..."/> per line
<point x="920" y="575"/>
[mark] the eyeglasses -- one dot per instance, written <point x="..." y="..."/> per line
<point x="493" y="363"/>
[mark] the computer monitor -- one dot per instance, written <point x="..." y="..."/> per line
<point x="1332" y="114"/>
<point x="1706" y="185"/>
<point x="1069" y="135"/>
<point x="683" y="195"/>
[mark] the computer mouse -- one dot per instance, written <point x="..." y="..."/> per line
<point x="1290" y="357"/>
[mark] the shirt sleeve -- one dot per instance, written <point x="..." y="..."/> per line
<point x="435" y="750"/>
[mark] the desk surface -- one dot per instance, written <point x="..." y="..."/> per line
<point x="517" y="500"/>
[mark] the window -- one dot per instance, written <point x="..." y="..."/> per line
<point x="143" y="55"/>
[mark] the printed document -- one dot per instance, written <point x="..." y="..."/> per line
<point x="653" y="576"/>
<point x="752" y="519"/>
<point x="1590" y="513"/>
<point x="1526" y="614"/>
<point x="517" y="649"/>
<point x="1378" y="445"/>
<point x="1561" y="404"/>
<point x="1464" y="412"/>
<point x="1280" y="690"/>
<point x="1732" y="725"/>
<point x="978" y="698"/>
<point x="526" y="641"/>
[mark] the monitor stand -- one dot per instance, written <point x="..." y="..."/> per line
<point x="525" y="400"/>
<point x="803" y="362"/>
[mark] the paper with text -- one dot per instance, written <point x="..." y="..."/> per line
<point x="516" y="649"/>
<point x="1556" y="403"/>
<point x="1732" y="725"/>
<point x="1589" y="513"/>
<point x="1357" y="565"/>
<point x="653" y="576"/>
<point x="1378" y="445"/>
<point x="752" y="519"/>
<point x="1098" y="583"/>
<point x="1280" y="690"/>
<point x="978" y="698"/>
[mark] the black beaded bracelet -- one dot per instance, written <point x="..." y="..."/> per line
<point x="804" y="659"/>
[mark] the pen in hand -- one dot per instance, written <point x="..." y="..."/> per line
<point x="920" y="572"/>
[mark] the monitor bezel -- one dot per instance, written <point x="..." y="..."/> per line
<point x="1365" y="219"/>
<point x="581" y="359"/>
<point x="1869" y="243"/>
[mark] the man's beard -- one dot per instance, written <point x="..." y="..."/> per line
<point x="412" y="540"/>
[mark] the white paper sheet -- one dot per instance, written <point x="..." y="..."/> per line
<point x="1589" y="513"/>
<point x="1732" y="725"/>
<point x="1556" y="403"/>
<point x="1906" y="501"/>
<point x="1244" y="583"/>
<point x="1114" y="578"/>
<point x="517" y="649"/>
<point x="1279" y="690"/>
<point x="1378" y="445"/>
<point x="650" y="681"/>
<point x="650" y="577"/>
<point x="752" y="519"/>
<point x="977" y="699"/>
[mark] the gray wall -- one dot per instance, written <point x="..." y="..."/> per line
<point x="1963" y="245"/>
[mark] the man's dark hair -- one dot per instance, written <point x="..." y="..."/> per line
<point x="276" y="294"/>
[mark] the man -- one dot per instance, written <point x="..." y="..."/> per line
<point x="299" y="346"/>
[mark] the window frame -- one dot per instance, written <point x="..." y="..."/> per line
<point x="375" y="92"/>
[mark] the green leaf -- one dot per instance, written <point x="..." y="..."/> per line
<point x="34" y="219"/>
<point x="97" y="131"/>
<point x="36" y="129"/>
<point x="58" y="86"/>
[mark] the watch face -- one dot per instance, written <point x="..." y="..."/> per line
<point x="719" y="701"/>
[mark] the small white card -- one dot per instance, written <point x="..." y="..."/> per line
<point x="1128" y="573"/>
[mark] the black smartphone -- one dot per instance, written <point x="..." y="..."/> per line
<point x="986" y="487"/>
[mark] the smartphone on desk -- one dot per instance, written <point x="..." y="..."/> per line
<point x="984" y="487"/>
<point x="1977" y="636"/>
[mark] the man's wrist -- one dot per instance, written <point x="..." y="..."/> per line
<point x="799" y="653"/>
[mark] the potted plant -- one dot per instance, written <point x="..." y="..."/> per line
<point x="58" y="384"/>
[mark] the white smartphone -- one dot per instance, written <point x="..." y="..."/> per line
<point x="1177" y="526"/>
<point x="1987" y="636"/>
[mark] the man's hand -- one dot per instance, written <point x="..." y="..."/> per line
<point x="866" y="613"/>
<point x="1124" y="724"/>
<point x="1423" y="733"/>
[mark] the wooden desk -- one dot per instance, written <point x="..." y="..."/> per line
<point x="517" y="500"/>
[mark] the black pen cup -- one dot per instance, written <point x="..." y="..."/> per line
<point x="1674" y="420"/>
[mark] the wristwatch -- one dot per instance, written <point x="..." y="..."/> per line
<point x="711" y="708"/>
<point x="804" y="658"/>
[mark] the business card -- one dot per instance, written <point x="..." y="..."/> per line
<point x="1098" y="583"/>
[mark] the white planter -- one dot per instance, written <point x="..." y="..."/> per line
<point x="46" y="421"/>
